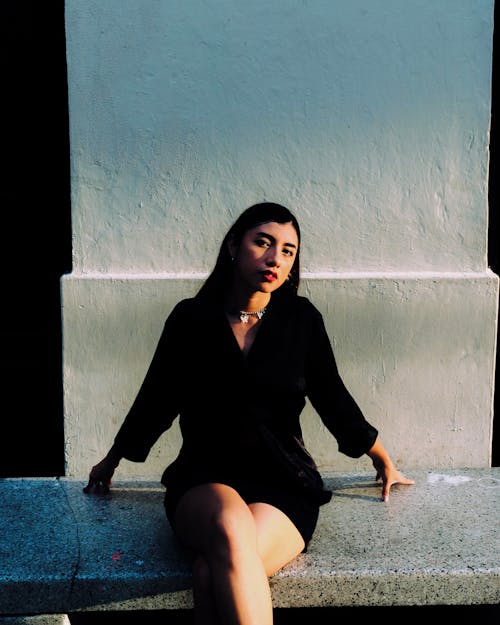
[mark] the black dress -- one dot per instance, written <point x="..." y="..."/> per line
<point x="223" y="398"/>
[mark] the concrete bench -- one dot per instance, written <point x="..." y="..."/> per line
<point x="435" y="543"/>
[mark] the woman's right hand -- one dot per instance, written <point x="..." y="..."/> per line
<point x="100" y="475"/>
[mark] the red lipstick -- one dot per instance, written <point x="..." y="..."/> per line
<point x="270" y="276"/>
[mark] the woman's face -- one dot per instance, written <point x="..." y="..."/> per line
<point x="265" y="256"/>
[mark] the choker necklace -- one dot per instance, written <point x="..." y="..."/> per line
<point x="245" y="314"/>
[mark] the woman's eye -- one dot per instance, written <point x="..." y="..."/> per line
<point x="287" y="252"/>
<point x="262" y="242"/>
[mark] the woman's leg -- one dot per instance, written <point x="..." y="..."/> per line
<point x="278" y="540"/>
<point x="237" y="547"/>
<point x="229" y="577"/>
<point x="204" y="601"/>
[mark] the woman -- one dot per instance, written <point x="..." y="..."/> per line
<point x="236" y="363"/>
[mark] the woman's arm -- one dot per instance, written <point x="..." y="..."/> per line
<point x="153" y="411"/>
<point x="386" y="471"/>
<point x="329" y="395"/>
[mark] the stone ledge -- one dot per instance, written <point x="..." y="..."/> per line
<point x="435" y="543"/>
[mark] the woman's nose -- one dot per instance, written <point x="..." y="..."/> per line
<point x="272" y="259"/>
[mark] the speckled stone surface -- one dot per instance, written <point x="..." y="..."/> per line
<point x="434" y="543"/>
<point x="42" y="619"/>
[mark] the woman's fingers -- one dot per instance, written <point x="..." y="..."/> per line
<point x="399" y="479"/>
<point x="97" y="483"/>
<point x="97" y="486"/>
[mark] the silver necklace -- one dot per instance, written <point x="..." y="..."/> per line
<point x="245" y="314"/>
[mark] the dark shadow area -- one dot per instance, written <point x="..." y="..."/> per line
<point x="36" y="246"/>
<point x="488" y="614"/>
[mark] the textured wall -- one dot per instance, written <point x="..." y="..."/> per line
<point x="369" y="118"/>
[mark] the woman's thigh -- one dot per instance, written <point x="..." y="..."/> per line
<point x="278" y="540"/>
<point x="213" y="515"/>
<point x="209" y="514"/>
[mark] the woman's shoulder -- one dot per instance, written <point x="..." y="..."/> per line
<point x="185" y="305"/>
<point x="181" y="312"/>
<point x="305" y="303"/>
<point x="192" y="308"/>
<point x="302" y="308"/>
<point x="305" y="306"/>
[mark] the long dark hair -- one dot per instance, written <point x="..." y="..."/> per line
<point x="265" y="212"/>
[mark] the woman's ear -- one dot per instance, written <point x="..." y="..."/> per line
<point x="232" y="247"/>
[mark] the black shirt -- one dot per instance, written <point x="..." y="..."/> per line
<point x="221" y="396"/>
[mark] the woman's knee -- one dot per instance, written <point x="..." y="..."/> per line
<point x="232" y="534"/>
<point x="214" y="520"/>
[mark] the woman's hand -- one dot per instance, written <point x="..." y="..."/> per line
<point x="385" y="469"/>
<point x="390" y="476"/>
<point x="100" y="475"/>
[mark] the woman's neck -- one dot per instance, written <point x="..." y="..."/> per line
<point x="249" y="303"/>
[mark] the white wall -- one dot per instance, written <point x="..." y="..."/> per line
<point x="369" y="118"/>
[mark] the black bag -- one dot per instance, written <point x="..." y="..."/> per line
<point x="297" y="462"/>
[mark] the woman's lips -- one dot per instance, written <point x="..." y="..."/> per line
<point x="270" y="276"/>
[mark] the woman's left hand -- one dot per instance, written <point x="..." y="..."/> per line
<point x="386" y="471"/>
<point x="389" y="476"/>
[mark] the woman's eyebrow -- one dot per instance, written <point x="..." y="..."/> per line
<point x="270" y="237"/>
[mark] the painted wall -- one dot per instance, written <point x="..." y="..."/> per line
<point x="369" y="118"/>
